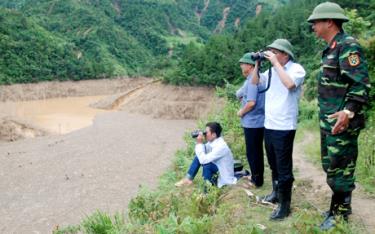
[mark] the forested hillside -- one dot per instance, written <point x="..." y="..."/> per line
<point x="87" y="39"/>
<point x="217" y="61"/>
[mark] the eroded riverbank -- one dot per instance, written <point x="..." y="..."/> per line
<point x="56" y="179"/>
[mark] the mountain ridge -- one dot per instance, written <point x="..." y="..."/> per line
<point x="107" y="38"/>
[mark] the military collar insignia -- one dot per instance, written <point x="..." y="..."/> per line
<point x="333" y="45"/>
<point x="353" y="59"/>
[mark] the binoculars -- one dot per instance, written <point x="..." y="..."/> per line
<point x="194" y="134"/>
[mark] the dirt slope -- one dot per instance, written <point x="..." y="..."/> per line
<point x="319" y="194"/>
<point x="58" y="180"/>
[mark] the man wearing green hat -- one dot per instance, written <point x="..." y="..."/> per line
<point x="252" y="120"/>
<point x="281" y="111"/>
<point x="343" y="87"/>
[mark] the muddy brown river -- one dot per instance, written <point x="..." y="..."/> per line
<point x="91" y="159"/>
<point x="56" y="115"/>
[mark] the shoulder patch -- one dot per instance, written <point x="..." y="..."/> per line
<point x="354" y="60"/>
<point x="350" y="41"/>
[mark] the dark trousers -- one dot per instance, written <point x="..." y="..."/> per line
<point x="279" y="149"/>
<point x="254" y="153"/>
<point x="209" y="171"/>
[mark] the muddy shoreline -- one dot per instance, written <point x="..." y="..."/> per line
<point x="52" y="180"/>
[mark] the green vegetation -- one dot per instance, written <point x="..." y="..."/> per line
<point x="89" y="39"/>
<point x="46" y="40"/>
<point x="229" y="210"/>
<point x="217" y="62"/>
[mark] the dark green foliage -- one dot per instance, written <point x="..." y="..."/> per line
<point x="224" y="51"/>
<point x="211" y="65"/>
<point x="370" y="53"/>
<point x="30" y="53"/>
<point x="217" y="62"/>
<point x="86" y="39"/>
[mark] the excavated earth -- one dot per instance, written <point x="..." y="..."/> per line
<point x="50" y="179"/>
<point x="122" y="134"/>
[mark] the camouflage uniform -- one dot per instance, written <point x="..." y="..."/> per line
<point x="343" y="84"/>
<point x="343" y="87"/>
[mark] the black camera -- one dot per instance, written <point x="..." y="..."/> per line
<point x="194" y="134"/>
<point x="258" y="56"/>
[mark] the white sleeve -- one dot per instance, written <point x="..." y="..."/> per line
<point x="297" y="74"/>
<point x="216" y="153"/>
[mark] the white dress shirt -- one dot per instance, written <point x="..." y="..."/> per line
<point x="281" y="106"/>
<point x="218" y="153"/>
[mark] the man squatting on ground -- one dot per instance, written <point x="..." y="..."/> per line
<point x="215" y="157"/>
<point x="281" y="111"/>
<point x="252" y="120"/>
<point x="343" y="87"/>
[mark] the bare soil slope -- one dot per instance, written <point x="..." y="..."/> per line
<point x="58" y="180"/>
<point x="319" y="194"/>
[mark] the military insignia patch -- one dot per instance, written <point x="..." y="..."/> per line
<point x="353" y="60"/>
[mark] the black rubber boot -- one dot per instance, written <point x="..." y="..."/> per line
<point x="283" y="208"/>
<point x="345" y="209"/>
<point x="332" y="207"/>
<point x="341" y="206"/>
<point x="272" y="197"/>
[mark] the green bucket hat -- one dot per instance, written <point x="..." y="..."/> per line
<point x="328" y="10"/>
<point x="282" y="45"/>
<point x="246" y="58"/>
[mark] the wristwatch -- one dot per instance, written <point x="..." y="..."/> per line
<point x="349" y="113"/>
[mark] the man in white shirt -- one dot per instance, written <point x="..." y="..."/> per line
<point x="215" y="157"/>
<point x="281" y="112"/>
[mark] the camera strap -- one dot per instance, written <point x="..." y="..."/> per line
<point x="268" y="82"/>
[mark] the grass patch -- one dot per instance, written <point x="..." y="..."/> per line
<point x="184" y="39"/>
<point x="228" y="210"/>
<point x="366" y="157"/>
<point x="365" y="169"/>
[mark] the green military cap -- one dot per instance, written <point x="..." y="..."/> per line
<point x="246" y="58"/>
<point x="282" y="45"/>
<point x="328" y="10"/>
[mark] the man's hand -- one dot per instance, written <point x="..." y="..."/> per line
<point x="271" y="57"/>
<point x="200" y="138"/>
<point x="255" y="79"/>
<point x="342" y="122"/>
<point x="239" y="113"/>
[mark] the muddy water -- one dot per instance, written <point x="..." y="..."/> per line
<point x="56" y="115"/>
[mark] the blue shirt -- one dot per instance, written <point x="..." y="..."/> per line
<point x="250" y="92"/>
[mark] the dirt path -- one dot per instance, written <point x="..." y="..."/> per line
<point x="320" y="194"/>
<point x="59" y="179"/>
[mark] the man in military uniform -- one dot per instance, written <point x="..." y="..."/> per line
<point x="343" y="87"/>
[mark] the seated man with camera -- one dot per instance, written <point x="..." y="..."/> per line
<point x="215" y="157"/>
